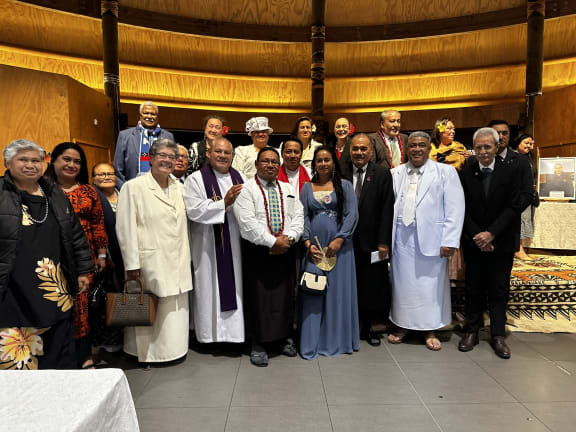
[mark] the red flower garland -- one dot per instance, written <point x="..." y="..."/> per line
<point x="400" y="145"/>
<point x="266" y="208"/>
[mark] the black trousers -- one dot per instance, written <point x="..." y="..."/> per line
<point x="487" y="284"/>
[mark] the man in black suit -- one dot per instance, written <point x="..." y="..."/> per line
<point x="373" y="186"/>
<point x="522" y="163"/>
<point x="494" y="201"/>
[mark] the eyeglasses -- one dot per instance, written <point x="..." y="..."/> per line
<point x="269" y="162"/>
<point x="25" y="160"/>
<point x="165" y="156"/>
<point x="105" y="174"/>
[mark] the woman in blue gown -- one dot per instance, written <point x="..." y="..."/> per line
<point x="329" y="324"/>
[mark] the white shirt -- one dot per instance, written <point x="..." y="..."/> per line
<point x="308" y="153"/>
<point x="409" y="177"/>
<point x="503" y="153"/>
<point x="491" y="166"/>
<point x="294" y="179"/>
<point x="252" y="217"/>
<point x="394" y="148"/>
<point x="244" y="159"/>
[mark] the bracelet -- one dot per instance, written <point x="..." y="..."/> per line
<point x="102" y="256"/>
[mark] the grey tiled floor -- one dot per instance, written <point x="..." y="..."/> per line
<point x="390" y="388"/>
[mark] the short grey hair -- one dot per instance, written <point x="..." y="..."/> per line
<point x="21" y="145"/>
<point x="486" y="131"/>
<point x="148" y="103"/>
<point x="419" y="134"/>
<point x="180" y="146"/>
<point x="161" y="143"/>
<point x="384" y="114"/>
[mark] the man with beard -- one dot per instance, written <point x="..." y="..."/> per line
<point x="271" y="220"/>
<point x="209" y="196"/>
<point x="428" y="218"/>
<point x="259" y="131"/>
<point x="388" y="142"/>
<point x="373" y="186"/>
<point x="132" y="157"/>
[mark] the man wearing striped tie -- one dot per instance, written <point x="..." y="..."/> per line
<point x="271" y="220"/>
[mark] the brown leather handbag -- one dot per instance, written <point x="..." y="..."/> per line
<point x="126" y="309"/>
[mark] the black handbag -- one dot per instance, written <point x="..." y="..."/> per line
<point x="314" y="284"/>
<point x="97" y="305"/>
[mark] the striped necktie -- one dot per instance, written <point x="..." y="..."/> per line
<point x="274" y="209"/>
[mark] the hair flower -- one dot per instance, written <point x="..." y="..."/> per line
<point x="441" y="127"/>
<point x="351" y="128"/>
<point x="225" y="130"/>
<point x="313" y="128"/>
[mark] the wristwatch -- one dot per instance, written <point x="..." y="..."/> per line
<point x="291" y="240"/>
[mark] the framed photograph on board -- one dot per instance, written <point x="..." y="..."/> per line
<point x="556" y="178"/>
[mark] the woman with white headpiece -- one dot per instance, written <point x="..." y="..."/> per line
<point x="245" y="157"/>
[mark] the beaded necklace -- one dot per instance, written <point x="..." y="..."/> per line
<point x="41" y="221"/>
<point x="400" y="146"/>
<point x="266" y="208"/>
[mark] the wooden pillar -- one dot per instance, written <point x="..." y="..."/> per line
<point x="536" y="11"/>
<point x="109" y="12"/>
<point x="317" y="69"/>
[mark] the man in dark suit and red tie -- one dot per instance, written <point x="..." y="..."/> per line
<point x="495" y="198"/>
<point x="373" y="186"/>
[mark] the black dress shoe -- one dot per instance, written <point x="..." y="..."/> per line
<point x="373" y="339"/>
<point x="500" y="348"/>
<point x="468" y="342"/>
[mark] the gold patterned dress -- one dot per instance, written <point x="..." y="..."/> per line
<point x="452" y="154"/>
<point x="36" y="320"/>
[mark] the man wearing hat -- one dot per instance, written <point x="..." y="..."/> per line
<point x="258" y="129"/>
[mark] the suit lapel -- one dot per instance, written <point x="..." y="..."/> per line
<point x="159" y="193"/>
<point x="368" y="178"/>
<point x="428" y="176"/>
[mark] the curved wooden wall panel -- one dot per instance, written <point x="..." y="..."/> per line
<point x="179" y="51"/>
<point x="34" y="27"/>
<point x="338" y="12"/>
<point x="373" y="12"/>
<point x="274" y="12"/>
<point x="450" y="89"/>
<point x="467" y="50"/>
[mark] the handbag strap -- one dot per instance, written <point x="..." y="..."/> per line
<point x="125" y="292"/>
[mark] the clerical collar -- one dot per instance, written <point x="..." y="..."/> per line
<point x="503" y="153"/>
<point x="363" y="167"/>
<point x="491" y="166"/>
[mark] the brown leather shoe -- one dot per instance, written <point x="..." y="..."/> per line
<point x="499" y="346"/>
<point x="468" y="341"/>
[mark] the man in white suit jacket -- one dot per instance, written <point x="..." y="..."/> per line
<point x="428" y="220"/>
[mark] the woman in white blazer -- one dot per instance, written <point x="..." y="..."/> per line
<point x="152" y="230"/>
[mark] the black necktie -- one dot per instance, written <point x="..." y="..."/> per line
<point x="358" y="188"/>
<point x="486" y="177"/>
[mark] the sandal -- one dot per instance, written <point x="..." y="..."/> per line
<point x="432" y="342"/>
<point x="398" y="336"/>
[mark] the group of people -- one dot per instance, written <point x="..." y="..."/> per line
<point x="223" y="237"/>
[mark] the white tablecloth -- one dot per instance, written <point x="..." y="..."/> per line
<point x="555" y="226"/>
<point x="65" y="401"/>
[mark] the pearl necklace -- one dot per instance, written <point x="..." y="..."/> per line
<point x="45" y="212"/>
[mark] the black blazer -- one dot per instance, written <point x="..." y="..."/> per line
<point x="375" y="208"/>
<point x="499" y="212"/>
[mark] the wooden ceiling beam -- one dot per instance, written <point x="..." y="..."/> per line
<point x="273" y="33"/>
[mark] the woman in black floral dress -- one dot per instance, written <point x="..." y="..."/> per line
<point x="44" y="261"/>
